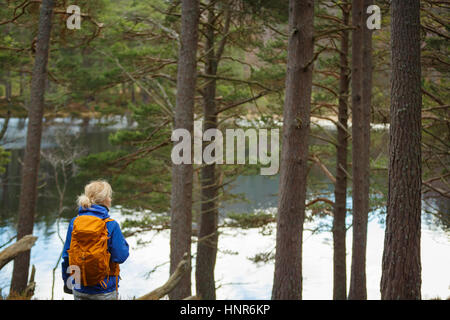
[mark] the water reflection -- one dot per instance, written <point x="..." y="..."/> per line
<point x="238" y="277"/>
<point x="90" y="134"/>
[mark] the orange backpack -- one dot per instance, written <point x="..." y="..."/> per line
<point x="89" y="250"/>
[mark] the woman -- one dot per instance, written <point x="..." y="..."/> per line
<point x="94" y="247"/>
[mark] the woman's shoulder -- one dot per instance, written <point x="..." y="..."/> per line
<point x="112" y="224"/>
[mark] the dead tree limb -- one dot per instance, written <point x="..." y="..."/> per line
<point x="325" y="170"/>
<point x="173" y="281"/>
<point x="13" y="250"/>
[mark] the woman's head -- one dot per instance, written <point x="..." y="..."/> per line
<point x="96" y="192"/>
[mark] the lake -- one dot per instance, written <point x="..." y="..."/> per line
<point x="237" y="276"/>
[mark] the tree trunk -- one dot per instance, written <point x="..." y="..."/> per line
<point x="340" y="191"/>
<point x="287" y="282"/>
<point x="181" y="200"/>
<point x="207" y="236"/>
<point x="358" y="289"/>
<point x="401" y="267"/>
<point x="30" y="168"/>
<point x="367" y="106"/>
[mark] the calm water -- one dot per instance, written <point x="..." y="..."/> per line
<point x="236" y="275"/>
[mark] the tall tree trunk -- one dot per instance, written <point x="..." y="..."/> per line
<point x="358" y="289"/>
<point x="287" y="282"/>
<point x="340" y="191"/>
<point x="181" y="199"/>
<point x="208" y="236"/>
<point x="30" y="168"/>
<point x="367" y="106"/>
<point x="401" y="267"/>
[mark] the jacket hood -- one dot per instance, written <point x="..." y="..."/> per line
<point x="96" y="210"/>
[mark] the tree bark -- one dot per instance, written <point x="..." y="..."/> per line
<point x="30" y="168"/>
<point x="287" y="282"/>
<point x="367" y="107"/>
<point x="340" y="191"/>
<point x="358" y="289"/>
<point x="208" y="236"/>
<point x="401" y="267"/>
<point x="181" y="200"/>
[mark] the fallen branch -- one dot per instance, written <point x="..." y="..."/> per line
<point x="24" y="244"/>
<point x="173" y="281"/>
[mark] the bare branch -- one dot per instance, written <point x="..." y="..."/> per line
<point x="173" y="281"/>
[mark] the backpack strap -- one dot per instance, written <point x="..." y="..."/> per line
<point x="117" y="277"/>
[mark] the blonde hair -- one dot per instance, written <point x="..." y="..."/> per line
<point x="96" y="192"/>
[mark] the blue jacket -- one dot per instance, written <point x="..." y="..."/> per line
<point x="117" y="246"/>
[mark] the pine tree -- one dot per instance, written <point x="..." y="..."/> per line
<point x="287" y="282"/>
<point x="181" y="197"/>
<point x="401" y="267"/>
<point x="30" y="168"/>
